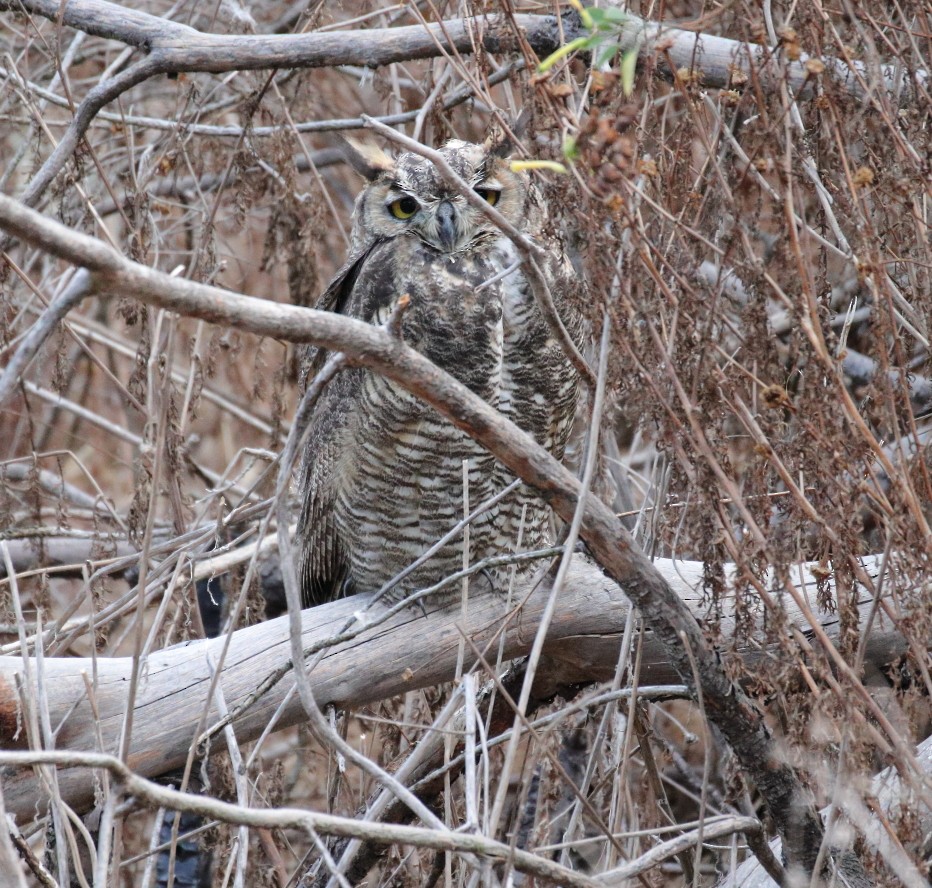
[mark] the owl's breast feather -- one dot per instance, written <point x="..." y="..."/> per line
<point x="452" y="319"/>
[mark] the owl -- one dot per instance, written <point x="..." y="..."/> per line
<point x="382" y="478"/>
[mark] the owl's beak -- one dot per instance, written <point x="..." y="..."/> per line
<point x="446" y="224"/>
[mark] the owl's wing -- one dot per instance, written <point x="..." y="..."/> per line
<point x="323" y="562"/>
<point x="336" y="298"/>
<point x="337" y="295"/>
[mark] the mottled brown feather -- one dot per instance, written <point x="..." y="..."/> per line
<point x="381" y="478"/>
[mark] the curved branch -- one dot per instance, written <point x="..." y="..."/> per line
<point x="97" y="98"/>
<point x="734" y="713"/>
<point x="183" y="48"/>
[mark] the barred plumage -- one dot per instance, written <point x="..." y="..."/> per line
<point x="382" y="477"/>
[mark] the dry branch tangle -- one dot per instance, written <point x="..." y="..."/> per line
<point x="173" y="47"/>
<point x="664" y="613"/>
<point x="888" y="791"/>
<point x="585" y="634"/>
<point x="157" y="796"/>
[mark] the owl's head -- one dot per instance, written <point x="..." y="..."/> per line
<point x="408" y="196"/>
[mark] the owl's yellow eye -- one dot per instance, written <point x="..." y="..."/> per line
<point x="488" y="194"/>
<point x="404" y="207"/>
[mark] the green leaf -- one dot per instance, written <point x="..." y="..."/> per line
<point x="603" y="25"/>
<point x="609" y="51"/>
<point x="570" y="149"/>
<point x="562" y="52"/>
<point x="613" y="15"/>
<point x="629" y="63"/>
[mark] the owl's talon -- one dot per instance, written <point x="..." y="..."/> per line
<point x="393" y="324"/>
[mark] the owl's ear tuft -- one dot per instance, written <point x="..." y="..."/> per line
<point x="500" y="144"/>
<point x="367" y="159"/>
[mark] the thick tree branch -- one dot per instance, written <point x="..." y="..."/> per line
<point x="181" y="48"/>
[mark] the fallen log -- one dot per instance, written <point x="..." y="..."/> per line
<point x="411" y="650"/>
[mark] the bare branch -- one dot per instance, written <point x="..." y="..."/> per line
<point x="77" y="289"/>
<point x="665" y="850"/>
<point x="177" y="48"/>
<point x="157" y="796"/>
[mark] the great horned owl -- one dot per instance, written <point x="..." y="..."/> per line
<point x="382" y="477"/>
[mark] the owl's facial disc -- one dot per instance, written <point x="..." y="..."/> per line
<point x="419" y="202"/>
<point x="439" y="222"/>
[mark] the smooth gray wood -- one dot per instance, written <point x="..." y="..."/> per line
<point x="410" y="651"/>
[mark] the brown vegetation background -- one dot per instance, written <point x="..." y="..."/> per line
<point x="762" y="254"/>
